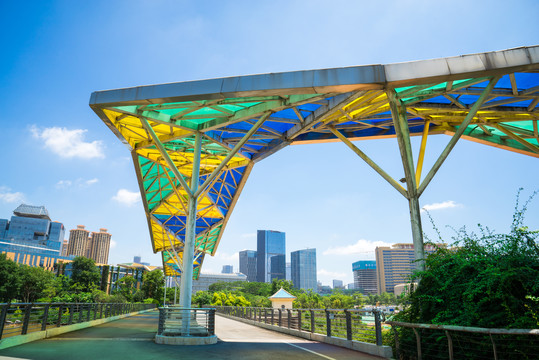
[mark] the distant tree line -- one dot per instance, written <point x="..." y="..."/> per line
<point x="23" y="283"/>
<point x="256" y="294"/>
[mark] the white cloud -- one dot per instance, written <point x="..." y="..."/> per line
<point x="6" y="195"/>
<point x="361" y="246"/>
<point x="91" y="181"/>
<point x="62" y="184"/>
<point x="113" y="244"/>
<point x="335" y="275"/>
<point x="439" y="206"/>
<point x="126" y="197"/>
<point x="248" y="235"/>
<point x="68" y="143"/>
<point x="227" y="257"/>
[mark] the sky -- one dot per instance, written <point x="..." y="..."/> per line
<point x="56" y="152"/>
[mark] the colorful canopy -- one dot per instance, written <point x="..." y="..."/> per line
<point x="490" y="98"/>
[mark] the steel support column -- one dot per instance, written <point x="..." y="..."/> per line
<point x="398" y="113"/>
<point x="186" y="284"/>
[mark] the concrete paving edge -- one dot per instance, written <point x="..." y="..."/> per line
<point x="40" y="335"/>
<point x="372" y="349"/>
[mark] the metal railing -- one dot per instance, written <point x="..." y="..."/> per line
<point x="428" y="341"/>
<point x="350" y="324"/>
<point x="23" y="318"/>
<point x="178" y="321"/>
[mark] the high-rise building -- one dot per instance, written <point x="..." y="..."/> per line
<point x="64" y="247"/>
<point x="303" y="269"/>
<point x="338" y="284"/>
<point x="227" y="269"/>
<point x="137" y="259"/>
<point x="395" y="264"/>
<point x="365" y="276"/>
<point x="31" y="238"/>
<point x="99" y="246"/>
<point x="270" y="244"/>
<point x="289" y="271"/>
<point x="95" y="246"/>
<point x="78" y="241"/>
<point x="248" y="264"/>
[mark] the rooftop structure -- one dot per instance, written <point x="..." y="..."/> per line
<point x="194" y="143"/>
<point x="39" y="212"/>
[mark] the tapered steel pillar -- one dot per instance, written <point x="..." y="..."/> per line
<point x="186" y="285"/>
<point x="398" y="112"/>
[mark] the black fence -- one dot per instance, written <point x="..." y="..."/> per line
<point x="350" y="324"/>
<point x="23" y="318"/>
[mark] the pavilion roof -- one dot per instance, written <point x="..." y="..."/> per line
<point x="244" y="119"/>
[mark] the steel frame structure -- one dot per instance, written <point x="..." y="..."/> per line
<point x="194" y="143"/>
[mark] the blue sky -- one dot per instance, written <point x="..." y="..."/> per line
<point x="56" y="152"/>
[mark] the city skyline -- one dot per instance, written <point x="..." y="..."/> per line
<point x="57" y="153"/>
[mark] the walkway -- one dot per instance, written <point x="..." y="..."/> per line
<point x="132" y="337"/>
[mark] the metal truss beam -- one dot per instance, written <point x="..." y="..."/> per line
<point x="233" y="152"/>
<point x="319" y="115"/>
<point x="471" y="113"/>
<point x="368" y="160"/>
<point x="165" y="155"/>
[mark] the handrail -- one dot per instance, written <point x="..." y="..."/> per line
<point x="466" y="328"/>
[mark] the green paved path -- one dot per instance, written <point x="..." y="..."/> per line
<point x="132" y="338"/>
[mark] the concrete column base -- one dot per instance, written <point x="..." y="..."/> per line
<point x="185" y="340"/>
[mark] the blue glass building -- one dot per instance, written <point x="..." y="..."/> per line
<point x="270" y="244"/>
<point x="248" y="264"/>
<point x="31" y="238"/>
<point x="303" y="269"/>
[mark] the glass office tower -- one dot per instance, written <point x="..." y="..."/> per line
<point x="303" y="269"/>
<point x="31" y="238"/>
<point x="269" y="244"/>
<point x="248" y="264"/>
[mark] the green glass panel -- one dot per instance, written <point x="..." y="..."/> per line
<point x="401" y="89"/>
<point x="132" y="108"/>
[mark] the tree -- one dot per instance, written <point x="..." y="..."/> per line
<point x="202" y="298"/>
<point x="104" y="278"/>
<point x="153" y="284"/>
<point x="9" y="279"/>
<point x="288" y="285"/>
<point x="126" y="287"/>
<point x="85" y="275"/>
<point x="34" y="280"/>
<point x="489" y="280"/>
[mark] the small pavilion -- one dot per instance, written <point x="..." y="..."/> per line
<point x="282" y="299"/>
